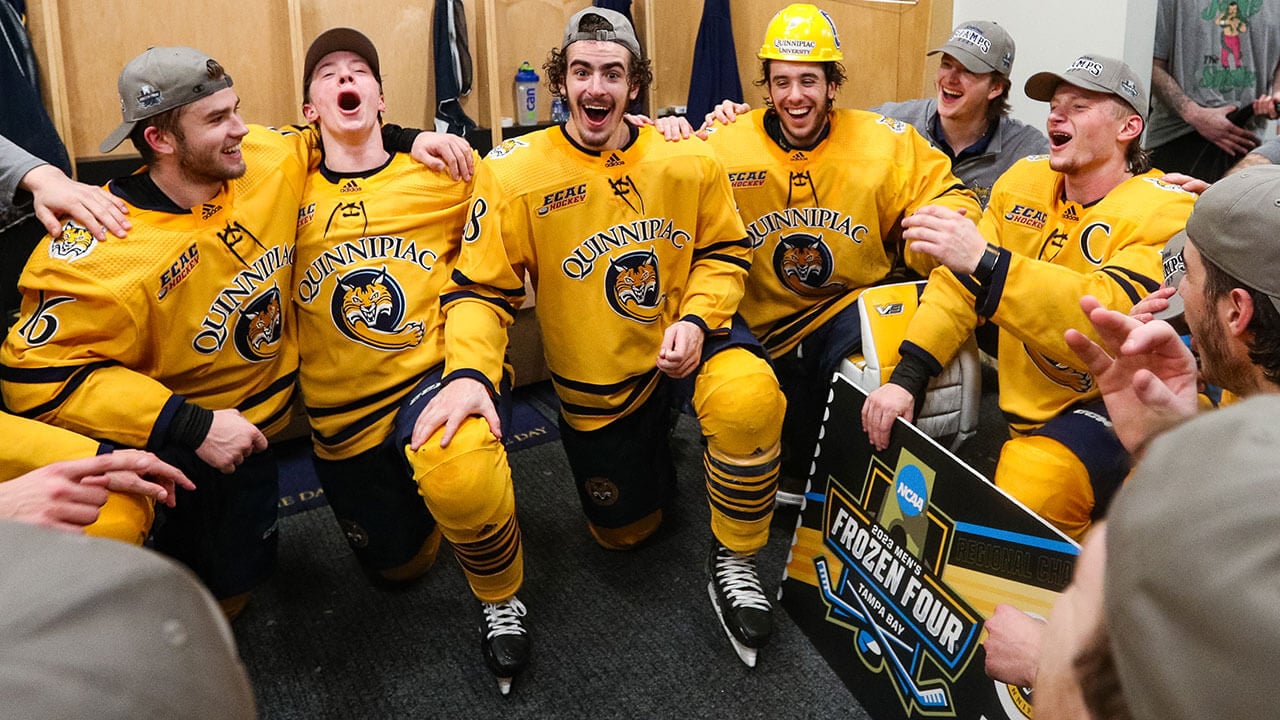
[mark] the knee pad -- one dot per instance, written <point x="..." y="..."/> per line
<point x="125" y="517"/>
<point x="628" y="536"/>
<point x="739" y="405"/>
<point x="234" y="605"/>
<point x="418" y="565"/>
<point x="1049" y="479"/>
<point x="466" y="486"/>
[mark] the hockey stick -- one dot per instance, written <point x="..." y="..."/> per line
<point x="929" y="698"/>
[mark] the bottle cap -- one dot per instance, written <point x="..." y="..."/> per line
<point x="526" y="73"/>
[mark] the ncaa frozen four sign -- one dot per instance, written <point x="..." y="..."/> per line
<point x="899" y="557"/>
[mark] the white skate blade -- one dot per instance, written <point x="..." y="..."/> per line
<point x="745" y="654"/>
<point x="504" y="686"/>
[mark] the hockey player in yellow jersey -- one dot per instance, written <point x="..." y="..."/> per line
<point x="377" y="238"/>
<point x="179" y="338"/>
<point x="638" y="260"/>
<point x="173" y="339"/>
<point x="53" y="477"/>
<point x="1088" y="219"/>
<point x="822" y="192"/>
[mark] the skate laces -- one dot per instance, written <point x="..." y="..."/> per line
<point x="736" y="577"/>
<point x="504" y="618"/>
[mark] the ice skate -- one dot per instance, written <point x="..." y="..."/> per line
<point x="739" y="601"/>
<point x="504" y="640"/>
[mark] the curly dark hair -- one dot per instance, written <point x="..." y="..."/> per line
<point x="832" y="70"/>
<point x="639" y="70"/>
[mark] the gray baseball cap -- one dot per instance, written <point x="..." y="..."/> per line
<point x="1175" y="267"/>
<point x="1094" y="72"/>
<point x="99" y="628"/>
<point x="1193" y="564"/>
<point x="981" y="46"/>
<point x="622" y="32"/>
<point x="159" y="80"/>
<point x="1233" y="225"/>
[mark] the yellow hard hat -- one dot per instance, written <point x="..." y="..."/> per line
<point x="802" y="33"/>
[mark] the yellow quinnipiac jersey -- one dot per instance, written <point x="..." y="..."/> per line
<point x="192" y="305"/>
<point x="30" y="444"/>
<point x="619" y="245"/>
<point x="374" y="251"/>
<point x="825" y="222"/>
<point x="1054" y="251"/>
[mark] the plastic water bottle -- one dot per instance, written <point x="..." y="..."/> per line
<point x="526" y="107"/>
<point x="559" y="111"/>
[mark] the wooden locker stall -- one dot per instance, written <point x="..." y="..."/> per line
<point x="884" y="46"/>
<point x="82" y="44"/>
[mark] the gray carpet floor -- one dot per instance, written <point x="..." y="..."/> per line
<point x="616" y="635"/>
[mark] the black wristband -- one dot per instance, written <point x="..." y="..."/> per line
<point x="987" y="264"/>
<point x="912" y="374"/>
<point x="190" y="426"/>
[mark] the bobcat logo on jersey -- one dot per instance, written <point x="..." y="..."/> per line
<point x="803" y="263"/>
<point x="982" y="193"/>
<point x="74" y="243"/>
<point x="896" y="126"/>
<point x="633" y="287"/>
<point x="258" y="332"/>
<point x="368" y="306"/>
<point x="1074" y="380"/>
<point x="506" y="148"/>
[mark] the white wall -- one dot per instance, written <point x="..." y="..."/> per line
<point x="1050" y="34"/>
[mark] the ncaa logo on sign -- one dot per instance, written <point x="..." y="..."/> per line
<point x="911" y="490"/>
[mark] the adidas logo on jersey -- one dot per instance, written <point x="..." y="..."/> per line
<point x="350" y="187"/>
<point x="798" y="156"/>
<point x="1070" y="214"/>
<point x="208" y="210"/>
<point x="614" y="161"/>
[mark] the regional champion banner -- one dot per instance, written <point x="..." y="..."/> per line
<point x="899" y="557"/>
